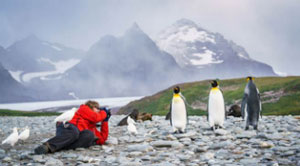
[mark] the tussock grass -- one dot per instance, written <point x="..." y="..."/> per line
<point x="233" y="90"/>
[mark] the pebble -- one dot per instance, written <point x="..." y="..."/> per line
<point x="275" y="143"/>
<point x="54" y="162"/>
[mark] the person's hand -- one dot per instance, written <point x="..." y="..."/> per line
<point x="108" y="113"/>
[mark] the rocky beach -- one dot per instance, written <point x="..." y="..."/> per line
<point x="277" y="142"/>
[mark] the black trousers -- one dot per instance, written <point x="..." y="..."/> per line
<point x="69" y="137"/>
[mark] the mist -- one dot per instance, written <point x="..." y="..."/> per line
<point x="268" y="30"/>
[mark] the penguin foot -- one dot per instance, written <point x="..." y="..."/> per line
<point x="212" y="128"/>
<point x="247" y="128"/>
<point x="181" y="132"/>
<point x="255" y="127"/>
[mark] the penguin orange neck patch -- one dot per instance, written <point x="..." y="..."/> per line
<point x="176" y="95"/>
<point x="215" y="88"/>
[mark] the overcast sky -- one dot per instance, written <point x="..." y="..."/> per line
<point x="269" y="30"/>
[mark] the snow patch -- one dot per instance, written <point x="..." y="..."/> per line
<point x="188" y="34"/>
<point x="242" y="56"/>
<point x="16" y="75"/>
<point x="60" y="68"/>
<point x="204" y="58"/>
<point x="52" y="46"/>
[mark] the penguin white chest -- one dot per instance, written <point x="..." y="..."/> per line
<point x="216" y="108"/>
<point x="178" y="113"/>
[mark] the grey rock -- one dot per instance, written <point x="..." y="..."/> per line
<point x="84" y="159"/>
<point x="54" y="162"/>
<point x="146" y="158"/>
<point x="122" y="159"/>
<point x="2" y="156"/>
<point x="134" y="154"/>
<point x="69" y="155"/>
<point x="207" y="156"/>
<point x="107" y="149"/>
<point x="201" y="149"/>
<point x="246" y="134"/>
<point x="7" y="159"/>
<point x="39" y="159"/>
<point x="142" y="148"/>
<point x="219" y="145"/>
<point x="168" y="144"/>
<point x="220" y="132"/>
<point x="171" y="137"/>
<point x="183" y="157"/>
<point x="25" y="156"/>
<point x="248" y="161"/>
<point x="221" y="154"/>
<point x="284" y="161"/>
<point x="2" y="151"/>
<point x="189" y="134"/>
<point x="111" y="159"/>
<point x="112" y="141"/>
<point x="288" y="153"/>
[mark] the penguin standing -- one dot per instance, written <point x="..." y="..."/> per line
<point x="251" y="104"/>
<point x="178" y="118"/>
<point x="216" y="107"/>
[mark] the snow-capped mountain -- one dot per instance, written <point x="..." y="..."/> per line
<point x="33" y="58"/>
<point x="128" y="65"/>
<point x="11" y="90"/>
<point x="207" y="53"/>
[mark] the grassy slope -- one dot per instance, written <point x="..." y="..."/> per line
<point x="4" y="112"/>
<point x="233" y="89"/>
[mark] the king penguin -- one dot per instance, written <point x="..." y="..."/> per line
<point x="251" y="104"/>
<point x="178" y="118"/>
<point x="216" y="107"/>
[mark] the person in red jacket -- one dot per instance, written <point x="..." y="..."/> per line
<point x="80" y="131"/>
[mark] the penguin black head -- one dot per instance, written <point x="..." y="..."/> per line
<point x="249" y="78"/>
<point x="214" y="83"/>
<point x="176" y="90"/>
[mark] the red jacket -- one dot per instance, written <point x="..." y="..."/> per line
<point x="86" y="119"/>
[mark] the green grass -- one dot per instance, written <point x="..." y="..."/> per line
<point x="233" y="90"/>
<point x="287" y="105"/>
<point x="5" y="112"/>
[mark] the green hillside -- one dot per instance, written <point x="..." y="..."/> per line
<point x="280" y="96"/>
<point x="5" y="112"/>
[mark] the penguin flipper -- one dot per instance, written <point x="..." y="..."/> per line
<point x="171" y="113"/>
<point x="186" y="104"/>
<point x="184" y="99"/>
<point x="207" y="111"/>
<point x="244" y="101"/>
<point x="225" y="112"/>
<point x="260" y="107"/>
<point x="187" y="115"/>
<point x="224" y="104"/>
